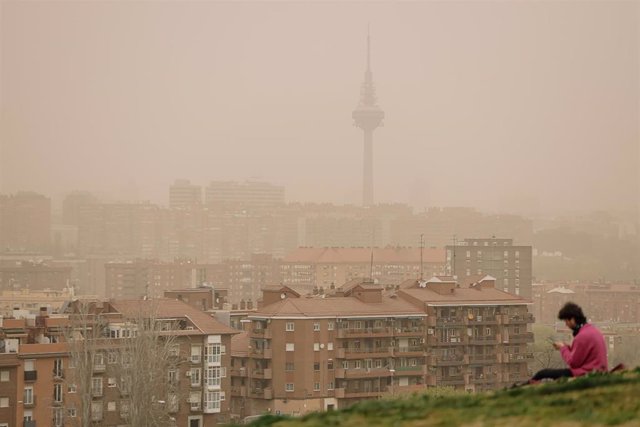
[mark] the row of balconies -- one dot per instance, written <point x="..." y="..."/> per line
<point x="522" y="338"/>
<point x="498" y="319"/>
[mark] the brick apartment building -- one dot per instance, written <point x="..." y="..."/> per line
<point x="303" y="354"/>
<point x="508" y="263"/>
<point x="306" y="268"/>
<point x="36" y="386"/>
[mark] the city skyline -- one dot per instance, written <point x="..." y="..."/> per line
<point x="501" y="111"/>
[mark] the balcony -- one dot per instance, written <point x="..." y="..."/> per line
<point x="261" y="333"/>
<point x="30" y="375"/>
<point x="520" y="338"/>
<point x="516" y="358"/>
<point x="484" y="380"/>
<point x="238" y="372"/>
<point x="239" y="391"/>
<point x="417" y="331"/>
<point x="359" y="353"/>
<point x="262" y="373"/>
<point x="339" y="393"/>
<point x="486" y="340"/>
<point x="451" y="321"/>
<point x="363" y="373"/>
<point x="410" y="370"/>
<point x="451" y="341"/>
<point x="30" y="423"/>
<point x="450" y="381"/>
<point x="261" y="353"/>
<point x="482" y="359"/>
<point x="449" y="360"/>
<point x="484" y="320"/>
<point x="258" y="393"/>
<point x="359" y="394"/>
<point x="364" y="332"/>
<point x="411" y="351"/>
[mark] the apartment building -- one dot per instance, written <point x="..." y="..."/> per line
<point x="27" y="275"/>
<point x="138" y="278"/>
<point x="243" y="195"/>
<point x="322" y="353"/>
<point x="25" y="223"/>
<point x="306" y="268"/>
<point x="510" y="264"/>
<point x="37" y="373"/>
<point x="183" y="194"/>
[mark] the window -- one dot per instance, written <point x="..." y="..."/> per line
<point x="196" y="353"/>
<point x="357" y="324"/>
<point x="72" y="412"/>
<point x="212" y="376"/>
<point x="57" y="368"/>
<point x="316" y="326"/>
<point x="330" y="364"/>
<point x="111" y="406"/>
<point x="378" y="363"/>
<point x="57" y="417"/>
<point x="96" y="411"/>
<point x="194" y="400"/>
<point x="289" y="346"/>
<point x="316" y="386"/>
<point x="212" y="400"/>
<point x="4" y="376"/>
<point x="330" y="385"/>
<point x="96" y="386"/>
<point x="316" y="346"/>
<point x="172" y="376"/>
<point x="330" y="326"/>
<point x="288" y="387"/>
<point x="124" y="408"/>
<point x="4" y="402"/>
<point x="98" y="361"/>
<point x="316" y="366"/>
<point x="213" y="352"/>
<point x="112" y="357"/>
<point x="288" y="367"/>
<point x="174" y="350"/>
<point x="330" y="346"/>
<point x="57" y="392"/>
<point x="345" y="364"/>
<point x="195" y="377"/>
<point x="357" y="364"/>
<point x="290" y="327"/>
<point x="71" y="388"/>
<point x="28" y="396"/>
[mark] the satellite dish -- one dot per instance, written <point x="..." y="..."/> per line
<point x="283" y="295"/>
<point x="470" y="316"/>
<point x="321" y="345"/>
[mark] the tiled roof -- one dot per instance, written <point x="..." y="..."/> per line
<point x="389" y="255"/>
<point x="464" y="296"/>
<point x="174" y="309"/>
<point x="240" y="344"/>
<point x="338" y="306"/>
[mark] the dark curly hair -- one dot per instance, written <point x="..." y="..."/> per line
<point x="572" y="311"/>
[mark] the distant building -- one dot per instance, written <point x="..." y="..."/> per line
<point x="312" y="354"/>
<point x="135" y="279"/>
<point x="306" y="268"/>
<point x="33" y="301"/>
<point x="183" y="194"/>
<point x="243" y="195"/>
<point x="500" y="258"/>
<point x="26" y="275"/>
<point x="72" y="205"/>
<point x="25" y="223"/>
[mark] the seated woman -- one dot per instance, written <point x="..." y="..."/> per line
<point x="587" y="353"/>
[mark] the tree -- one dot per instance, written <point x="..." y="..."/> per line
<point x="143" y="360"/>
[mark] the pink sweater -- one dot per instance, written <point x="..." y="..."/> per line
<point x="587" y="352"/>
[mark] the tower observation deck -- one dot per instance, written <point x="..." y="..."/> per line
<point x="368" y="116"/>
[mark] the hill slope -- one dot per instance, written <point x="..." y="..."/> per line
<point x="612" y="399"/>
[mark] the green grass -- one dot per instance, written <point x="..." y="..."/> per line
<point x="594" y="400"/>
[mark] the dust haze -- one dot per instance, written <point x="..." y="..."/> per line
<point x="527" y="107"/>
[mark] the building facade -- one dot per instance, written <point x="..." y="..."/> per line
<point x="308" y="354"/>
<point x="25" y="223"/>
<point x="508" y="263"/>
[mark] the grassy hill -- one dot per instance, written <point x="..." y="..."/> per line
<point x="597" y="400"/>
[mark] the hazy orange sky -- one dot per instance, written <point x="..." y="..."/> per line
<point x="498" y="105"/>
